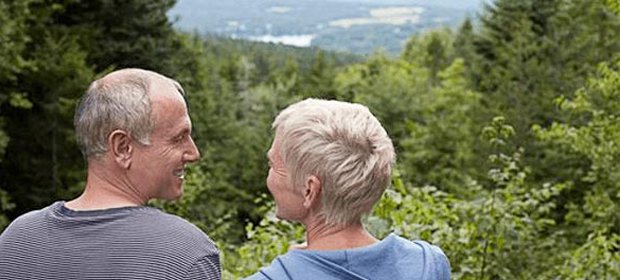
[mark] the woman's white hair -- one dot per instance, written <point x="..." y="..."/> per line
<point x="344" y="146"/>
<point x="120" y="100"/>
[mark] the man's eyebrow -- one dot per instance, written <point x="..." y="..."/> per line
<point x="184" y="131"/>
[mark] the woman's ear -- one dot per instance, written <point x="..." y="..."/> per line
<point x="312" y="192"/>
<point x="121" y="147"/>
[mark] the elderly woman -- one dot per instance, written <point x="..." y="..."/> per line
<point x="330" y="162"/>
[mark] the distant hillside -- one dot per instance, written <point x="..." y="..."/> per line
<point x="276" y="54"/>
<point x="357" y="26"/>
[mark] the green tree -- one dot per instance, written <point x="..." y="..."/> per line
<point x="530" y="52"/>
<point x="432" y="50"/>
<point x="592" y="221"/>
<point x="440" y="149"/>
<point x="14" y="16"/>
<point x="614" y="5"/>
<point x="465" y="49"/>
<point x="320" y="81"/>
<point x="122" y="34"/>
<point x="42" y="140"/>
<point x="390" y="88"/>
<point x="516" y="67"/>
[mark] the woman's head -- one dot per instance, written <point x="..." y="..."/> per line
<point x="344" y="146"/>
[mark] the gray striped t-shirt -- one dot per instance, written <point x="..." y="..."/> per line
<point x="120" y="243"/>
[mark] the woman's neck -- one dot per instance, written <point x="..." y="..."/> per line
<point x="322" y="237"/>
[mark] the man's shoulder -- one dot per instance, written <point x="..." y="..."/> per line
<point x="33" y="217"/>
<point x="178" y="228"/>
<point x="176" y="223"/>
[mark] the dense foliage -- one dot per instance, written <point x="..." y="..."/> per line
<point x="507" y="128"/>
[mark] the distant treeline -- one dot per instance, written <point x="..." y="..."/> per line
<point x="507" y="128"/>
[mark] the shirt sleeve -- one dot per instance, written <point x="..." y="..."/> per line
<point x="442" y="265"/>
<point x="206" y="268"/>
<point x="257" y="276"/>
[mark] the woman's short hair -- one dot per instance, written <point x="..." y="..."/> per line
<point x="345" y="146"/>
<point x="119" y="100"/>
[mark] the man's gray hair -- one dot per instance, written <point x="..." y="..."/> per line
<point x="120" y="100"/>
<point x="342" y="144"/>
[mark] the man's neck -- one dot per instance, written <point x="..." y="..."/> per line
<point x="105" y="190"/>
<point x="322" y="237"/>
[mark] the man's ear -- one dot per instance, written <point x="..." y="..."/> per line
<point x="121" y="147"/>
<point x="312" y="192"/>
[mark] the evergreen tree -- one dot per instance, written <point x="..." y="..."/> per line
<point x="530" y="52"/>
<point x="120" y="34"/>
<point x="320" y="81"/>
<point x="432" y="50"/>
<point x="391" y="89"/>
<point x="464" y="48"/>
<point x="13" y="39"/>
<point x="440" y="149"/>
<point x="592" y="224"/>
<point x="43" y="159"/>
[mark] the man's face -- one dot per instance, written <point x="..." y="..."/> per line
<point x="159" y="168"/>
<point x="289" y="200"/>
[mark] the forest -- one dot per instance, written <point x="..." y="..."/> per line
<point x="507" y="128"/>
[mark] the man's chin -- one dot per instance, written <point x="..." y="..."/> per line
<point x="280" y="215"/>
<point x="177" y="196"/>
<point x="173" y="196"/>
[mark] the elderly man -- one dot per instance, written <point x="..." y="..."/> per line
<point x="330" y="162"/>
<point x="134" y="130"/>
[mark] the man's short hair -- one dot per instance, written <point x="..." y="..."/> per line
<point x="119" y="100"/>
<point x="342" y="144"/>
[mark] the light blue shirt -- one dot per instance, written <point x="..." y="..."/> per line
<point x="393" y="258"/>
